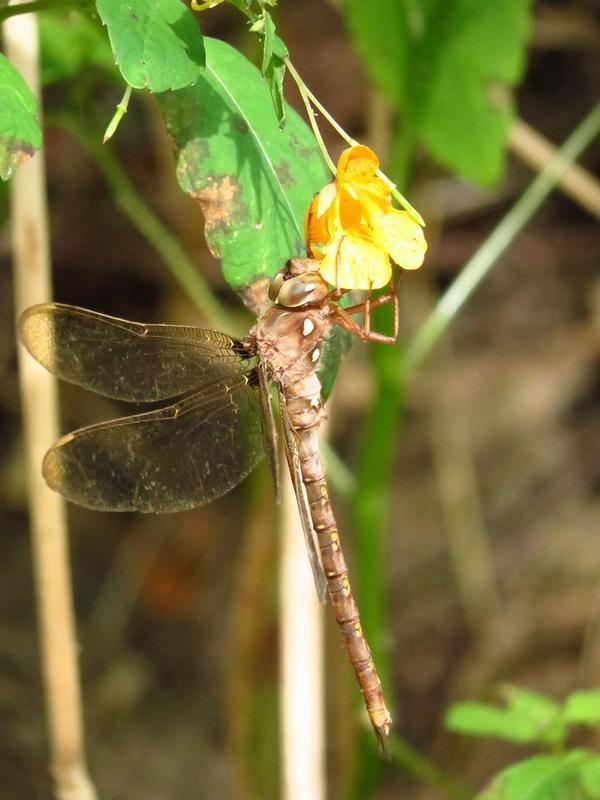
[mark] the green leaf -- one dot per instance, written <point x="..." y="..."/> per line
<point x="590" y="777"/>
<point x="280" y="48"/>
<point x="275" y="75"/>
<point x="541" y="778"/>
<point x="583" y="707"/>
<point x="268" y="41"/>
<point x="253" y="181"/>
<point x="336" y="345"/>
<point x="20" y="134"/>
<point x="542" y="711"/>
<point x="71" y="42"/>
<point x="273" y="67"/>
<point x="157" y="43"/>
<point x="481" y="719"/>
<point x="446" y="65"/>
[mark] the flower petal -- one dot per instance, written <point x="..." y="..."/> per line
<point x="357" y="163"/>
<point x="355" y="262"/>
<point x="325" y="198"/>
<point x="401" y="238"/>
<point x="356" y="176"/>
<point x="316" y="229"/>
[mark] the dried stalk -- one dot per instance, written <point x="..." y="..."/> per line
<point x="301" y="637"/>
<point x="40" y="419"/>
<point x="536" y="151"/>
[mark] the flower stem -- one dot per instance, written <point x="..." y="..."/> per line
<point x="306" y="99"/>
<point x="310" y="100"/>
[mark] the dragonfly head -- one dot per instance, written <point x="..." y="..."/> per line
<point x="298" y="284"/>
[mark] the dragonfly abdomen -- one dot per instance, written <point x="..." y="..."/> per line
<point x="338" y="580"/>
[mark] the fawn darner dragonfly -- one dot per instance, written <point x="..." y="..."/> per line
<point x="199" y="447"/>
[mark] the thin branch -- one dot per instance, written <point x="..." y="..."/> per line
<point x="35" y="5"/>
<point x="32" y="279"/>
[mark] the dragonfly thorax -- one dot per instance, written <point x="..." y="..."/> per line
<point x="298" y="284"/>
<point x="290" y="341"/>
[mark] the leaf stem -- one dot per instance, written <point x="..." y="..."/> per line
<point x="119" y="114"/>
<point x="476" y="269"/>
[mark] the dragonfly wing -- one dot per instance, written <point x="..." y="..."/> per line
<point x="128" y="360"/>
<point x="269" y="429"/>
<point x="171" y="459"/>
<point x="310" y="537"/>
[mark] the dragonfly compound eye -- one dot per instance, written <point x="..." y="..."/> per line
<point x="303" y="290"/>
<point x="276" y="285"/>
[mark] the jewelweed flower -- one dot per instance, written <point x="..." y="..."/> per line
<point x="354" y="231"/>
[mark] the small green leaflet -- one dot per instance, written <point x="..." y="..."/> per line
<point x="481" y="719"/>
<point x="253" y="180"/>
<point x="446" y="65"/>
<point x="583" y="707"/>
<point x="157" y="44"/>
<point x="572" y="776"/>
<point x="275" y="73"/>
<point x="20" y="134"/>
<point x="273" y="67"/>
<point x="268" y="34"/>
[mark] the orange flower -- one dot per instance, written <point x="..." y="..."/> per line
<point x="352" y="228"/>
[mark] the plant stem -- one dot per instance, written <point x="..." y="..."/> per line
<point x="133" y="206"/>
<point x="535" y="150"/>
<point x="476" y="269"/>
<point x="32" y="278"/>
<point x="35" y="5"/>
<point x="425" y="772"/>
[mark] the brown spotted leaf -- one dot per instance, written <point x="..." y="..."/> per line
<point x="20" y="134"/>
<point x="252" y="180"/>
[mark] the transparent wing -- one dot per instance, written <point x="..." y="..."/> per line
<point x="269" y="429"/>
<point x="171" y="459"/>
<point x="310" y="537"/>
<point x="127" y="360"/>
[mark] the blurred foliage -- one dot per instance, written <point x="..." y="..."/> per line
<point x="72" y="43"/>
<point x="530" y="717"/>
<point x="445" y="65"/>
<point x="448" y="69"/>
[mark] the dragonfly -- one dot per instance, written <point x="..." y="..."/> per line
<point x="215" y="422"/>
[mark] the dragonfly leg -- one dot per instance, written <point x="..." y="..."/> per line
<point x="365" y="333"/>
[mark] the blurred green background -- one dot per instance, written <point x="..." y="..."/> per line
<point x="472" y="522"/>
